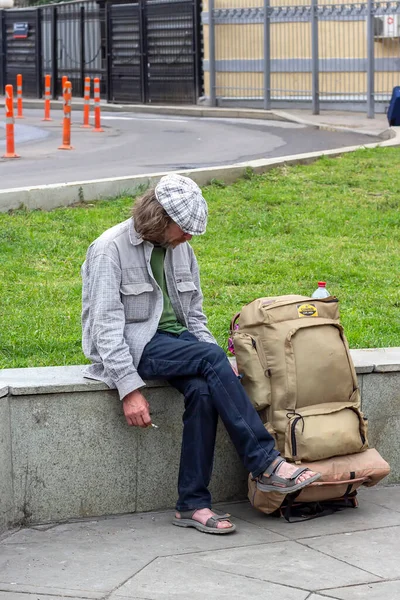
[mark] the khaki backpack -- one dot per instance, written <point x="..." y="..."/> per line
<point x="298" y="372"/>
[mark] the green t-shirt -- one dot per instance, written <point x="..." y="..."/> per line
<point x="168" y="321"/>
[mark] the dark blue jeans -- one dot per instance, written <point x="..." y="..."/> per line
<point x="203" y="374"/>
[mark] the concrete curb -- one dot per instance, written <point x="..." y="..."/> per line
<point x="162" y="109"/>
<point x="52" y="196"/>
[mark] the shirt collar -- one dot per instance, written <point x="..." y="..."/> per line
<point x="134" y="237"/>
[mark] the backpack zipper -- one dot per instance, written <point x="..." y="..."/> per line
<point x="293" y="436"/>
<point x="362" y="436"/>
<point x="261" y="358"/>
<point x="365" y="419"/>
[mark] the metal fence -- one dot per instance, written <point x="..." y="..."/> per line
<point x="142" y="50"/>
<point x="309" y="53"/>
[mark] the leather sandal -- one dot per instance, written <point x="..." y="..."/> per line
<point x="211" y="526"/>
<point x="269" y="481"/>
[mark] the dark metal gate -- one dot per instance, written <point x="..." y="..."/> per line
<point x="61" y="39"/>
<point x="22" y="47"/>
<point x="171" y="51"/>
<point x="125" y="65"/>
<point x="72" y="44"/>
<point x="153" y="51"/>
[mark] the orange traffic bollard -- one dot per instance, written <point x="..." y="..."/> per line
<point x="86" y="105"/>
<point x="19" y="98"/>
<point x="64" y="80"/>
<point x="47" y="98"/>
<point x="10" y="145"/>
<point x="97" y="117"/>
<point x="66" y="145"/>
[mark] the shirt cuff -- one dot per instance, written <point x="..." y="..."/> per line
<point x="128" y="384"/>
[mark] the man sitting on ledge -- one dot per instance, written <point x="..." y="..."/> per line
<point x="143" y="319"/>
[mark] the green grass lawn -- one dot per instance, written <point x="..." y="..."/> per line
<point x="278" y="233"/>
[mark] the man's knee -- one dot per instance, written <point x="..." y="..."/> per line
<point x="197" y="387"/>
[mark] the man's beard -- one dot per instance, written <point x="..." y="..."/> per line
<point x="166" y="244"/>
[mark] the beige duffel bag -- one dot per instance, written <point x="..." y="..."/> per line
<point x="297" y="370"/>
<point x="341" y="477"/>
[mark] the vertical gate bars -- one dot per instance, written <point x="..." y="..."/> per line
<point x="267" y="55"/>
<point x="82" y="44"/>
<point x="370" y="61"/>
<point x="54" y="52"/>
<point x="196" y="49"/>
<point x="38" y="54"/>
<point x="211" y="34"/>
<point x="108" y="51"/>
<point x="314" y="57"/>
<point x="3" y="49"/>
<point x="144" y="69"/>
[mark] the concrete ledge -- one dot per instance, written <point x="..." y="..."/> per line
<point x="52" y="380"/>
<point x="378" y="360"/>
<point x="67" y="452"/>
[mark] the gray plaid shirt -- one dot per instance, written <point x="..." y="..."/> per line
<point x="122" y="303"/>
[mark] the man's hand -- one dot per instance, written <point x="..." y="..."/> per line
<point x="136" y="409"/>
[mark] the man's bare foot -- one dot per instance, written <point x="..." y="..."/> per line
<point x="203" y="514"/>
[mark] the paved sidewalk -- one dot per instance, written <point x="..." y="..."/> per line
<point x="351" y="555"/>
<point x="339" y="120"/>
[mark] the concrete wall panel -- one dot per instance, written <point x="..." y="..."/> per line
<point x="6" y="491"/>
<point x="74" y="456"/>
<point x="381" y="404"/>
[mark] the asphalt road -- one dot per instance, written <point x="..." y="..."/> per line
<point x="134" y="144"/>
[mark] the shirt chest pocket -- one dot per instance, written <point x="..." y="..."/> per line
<point x="185" y="291"/>
<point x="136" y="300"/>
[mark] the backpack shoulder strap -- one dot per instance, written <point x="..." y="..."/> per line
<point x="233" y="321"/>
